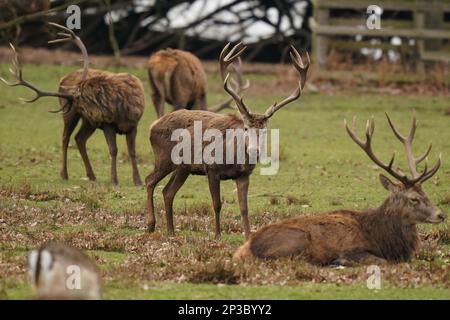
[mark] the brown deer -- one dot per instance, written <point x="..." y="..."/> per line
<point x="113" y="102"/>
<point x="387" y="233"/>
<point x="162" y="144"/>
<point x="178" y="78"/>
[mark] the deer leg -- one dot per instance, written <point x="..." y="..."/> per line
<point x="151" y="181"/>
<point x="170" y="190"/>
<point x="70" y="122"/>
<point x="200" y="102"/>
<point x="355" y="258"/>
<point x="110" y="136"/>
<point x="242" y="189"/>
<point x="86" y="130"/>
<point x="131" y="144"/>
<point x="158" y="102"/>
<point x="158" y="98"/>
<point x="214" y="188"/>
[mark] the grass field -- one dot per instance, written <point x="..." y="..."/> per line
<point x="321" y="169"/>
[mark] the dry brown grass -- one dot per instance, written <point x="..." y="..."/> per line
<point x="183" y="258"/>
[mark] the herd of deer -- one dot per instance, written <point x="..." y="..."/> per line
<point x="114" y="102"/>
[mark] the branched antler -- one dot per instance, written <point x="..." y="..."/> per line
<point x="69" y="35"/>
<point x="407" y="141"/>
<point x="231" y="60"/>
<point x="16" y="70"/>
<point x="302" y="68"/>
<point x="227" y="57"/>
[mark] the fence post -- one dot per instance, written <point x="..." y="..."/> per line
<point x="321" y="42"/>
<point x="434" y="19"/>
<point x="419" y="23"/>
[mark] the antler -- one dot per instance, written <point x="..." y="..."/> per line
<point x="227" y="57"/>
<point x="239" y="83"/>
<point x="412" y="161"/>
<point x="398" y="174"/>
<point x="302" y="68"/>
<point x="16" y="70"/>
<point x="69" y="35"/>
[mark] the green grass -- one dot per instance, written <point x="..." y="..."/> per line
<point x="321" y="169"/>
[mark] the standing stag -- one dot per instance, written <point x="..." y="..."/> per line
<point x="161" y="140"/>
<point x="387" y="233"/>
<point x="178" y="78"/>
<point x="113" y="102"/>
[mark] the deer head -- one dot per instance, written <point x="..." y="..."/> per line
<point x="253" y="120"/>
<point x="407" y="196"/>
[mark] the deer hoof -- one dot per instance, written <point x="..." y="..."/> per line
<point x="64" y="175"/>
<point x="151" y="228"/>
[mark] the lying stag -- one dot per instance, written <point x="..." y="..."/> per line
<point x="161" y="140"/>
<point x="113" y="102"/>
<point x="387" y="233"/>
<point x="178" y="78"/>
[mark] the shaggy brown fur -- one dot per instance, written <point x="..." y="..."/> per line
<point x="113" y="102"/>
<point x="178" y="78"/>
<point x="105" y="100"/>
<point x="387" y="233"/>
<point x="339" y="237"/>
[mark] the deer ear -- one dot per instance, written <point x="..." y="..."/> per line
<point x="388" y="184"/>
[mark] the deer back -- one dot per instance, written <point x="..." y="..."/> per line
<point x="179" y="75"/>
<point x="106" y="97"/>
<point x="71" y="80"/>
<point x="162" y="129"/>
<point x="163" y="144"/>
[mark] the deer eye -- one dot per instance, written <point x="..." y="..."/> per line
<point x="414" y="201"/>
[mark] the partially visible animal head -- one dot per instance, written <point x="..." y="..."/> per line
<point x="406" y="198"/>
<point x="59" y="271"/>
<point x="412" y="203"/>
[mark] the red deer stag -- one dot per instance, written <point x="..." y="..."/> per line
<point x="178" y="78"/>
<point x="345" y="237"/>
<point x="113" y="102"/>
<point x="161" y="140"/>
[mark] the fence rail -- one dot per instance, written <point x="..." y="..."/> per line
<point x="427" y="27"/>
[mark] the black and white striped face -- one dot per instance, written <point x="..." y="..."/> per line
<point x="59" y="271"/>
<point x="39" y="262"/>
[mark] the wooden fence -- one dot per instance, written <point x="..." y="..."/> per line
<point x="427" y="27"/>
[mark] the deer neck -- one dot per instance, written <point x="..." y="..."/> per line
<point x="386" y="229"/>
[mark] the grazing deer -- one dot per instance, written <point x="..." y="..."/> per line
<point x="160" y="137"/>
<point x="387" y="233"/>
<point x="58" y="271"/>
<point x="113" y="102"/>
<point x="178" y="78"/>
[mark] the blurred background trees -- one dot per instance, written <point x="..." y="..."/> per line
<point x="125" y="27"/>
